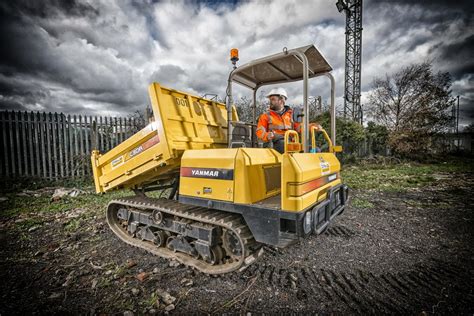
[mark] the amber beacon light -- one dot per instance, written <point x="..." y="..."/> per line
<point x="234" y="55"/>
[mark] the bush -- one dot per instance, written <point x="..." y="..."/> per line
<point x="377" y="137"/>
<point x="351" y="135"/>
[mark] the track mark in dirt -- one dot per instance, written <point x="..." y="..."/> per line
<point x="423" y="287"/>
<point x="340" y="231"/>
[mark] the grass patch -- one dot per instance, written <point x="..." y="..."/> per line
<point x="28" y="223"/>
<point x="400" y="177"/>
<point x="73" y="225"/>
<point x="15" y="185"/>
<point x="361" y="203"/>
<point x="16" y="205"/>
<point x="151" y="301"/>
<point x="121" y="270"/>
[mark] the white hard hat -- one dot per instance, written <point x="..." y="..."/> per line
<point x="278" y="91"/>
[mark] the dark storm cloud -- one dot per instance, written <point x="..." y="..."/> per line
<point x="462" y="52"/>
<point x="44" y="65"/>
<point x="16" y="93"/>
<point x="48" y="8"/>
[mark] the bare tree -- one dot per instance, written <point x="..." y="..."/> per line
<point x="244" y="108"/>
<point x="412" y="103"/>
<point x="140" y="119"/>
<point x="469" y="129"/>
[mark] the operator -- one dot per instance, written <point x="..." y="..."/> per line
<point x="273" y="124"/>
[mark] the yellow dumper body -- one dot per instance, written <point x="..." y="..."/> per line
<point x="188" y="139"/>
<point x="181" y="122"/>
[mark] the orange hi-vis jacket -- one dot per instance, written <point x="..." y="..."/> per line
<point x="276" y="123"/>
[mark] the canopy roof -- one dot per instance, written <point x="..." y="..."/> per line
<point x="282" y="67"/>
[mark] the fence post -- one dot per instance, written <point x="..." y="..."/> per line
<point x="114" y="132"/>
<point x="81" y="147"/>
<point x="18" y="144"/>
<point x="101" y="136"/>
<point x="37" y="128"/>
<point x="107" y="135"/>
<point x="129" y="129"/>
<point x="71" y="145"/>
<point x="4" y="137"/>
<point x="76" y="147"/>
<point x="120" y="131"/>
<point x="93" y="134"/>
<point x="60" y="142"/>
<point x="29" y="124"/>
<point x="49" y="132"/>
<point x="65" y="144"/>
<point x="12" y="143"/>
<point x="86" y="131"/>
<point x="54" y="128"/>
<point x="24" y="138"/>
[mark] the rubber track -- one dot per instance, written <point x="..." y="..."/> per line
<point x="228" y="221"/>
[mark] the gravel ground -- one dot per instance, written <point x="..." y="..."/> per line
<point x="398" y="253"/>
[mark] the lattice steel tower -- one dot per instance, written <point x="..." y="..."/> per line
<point x="353" y="11"/>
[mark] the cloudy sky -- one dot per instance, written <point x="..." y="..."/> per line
<point x="97" y="57"/>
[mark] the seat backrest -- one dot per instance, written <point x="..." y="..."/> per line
<point x="241" y="135"/>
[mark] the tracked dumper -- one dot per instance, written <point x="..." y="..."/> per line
<point x="223" y="196"/>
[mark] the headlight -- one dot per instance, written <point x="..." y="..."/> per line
<point x="307" y="223"/>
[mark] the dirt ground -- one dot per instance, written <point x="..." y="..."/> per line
<point x="392" y="251"/>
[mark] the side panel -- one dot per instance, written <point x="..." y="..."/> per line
<point x="208" y="174"/>
<point x="306" y="179"/>
<point x="255" y="175"/>
<point x="126" y="163"/>
<point x="181" y="121"/>
<point x="238" y="175"/>
<point x="189" y="122"/>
